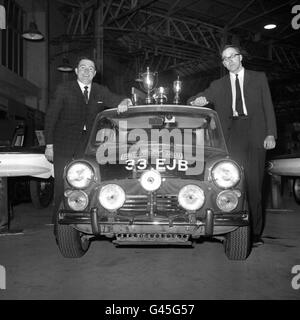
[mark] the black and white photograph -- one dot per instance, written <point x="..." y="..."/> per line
<point x="150" y="153"/>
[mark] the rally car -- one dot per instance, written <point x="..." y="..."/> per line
<point x="154" y="175"/>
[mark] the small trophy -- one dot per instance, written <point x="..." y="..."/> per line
<point x="149" y="81"/>
<point x="160" y="95"/>
<point x="177" y="87"/>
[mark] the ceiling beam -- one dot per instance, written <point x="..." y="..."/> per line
<point x="131" y="11"/>
<point x="69" y="3"/>
<point x="240" y="12"/>
<point x="172" y="8"/>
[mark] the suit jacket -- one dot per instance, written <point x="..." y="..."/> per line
<point x="258" y="102"/>
<point x="67" y="115"/>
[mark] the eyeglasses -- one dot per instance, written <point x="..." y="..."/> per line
<point x="227" y="59"/>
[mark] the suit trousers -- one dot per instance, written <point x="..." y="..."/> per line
<point x="60" y="161"/>
<point x="252" y="158"/>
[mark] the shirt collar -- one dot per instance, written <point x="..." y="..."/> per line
<point x="82" y="85"/>
<point x="240" y="73"/>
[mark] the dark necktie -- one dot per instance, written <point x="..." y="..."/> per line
<point x="86" y="94"/>
<point x="238" y="97"/>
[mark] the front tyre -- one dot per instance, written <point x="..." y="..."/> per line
<point x="237" y="244"/>
<point x="71" y="242"/>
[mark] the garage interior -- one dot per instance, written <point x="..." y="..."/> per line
<point x="176" y="39"/>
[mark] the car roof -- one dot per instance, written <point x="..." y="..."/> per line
<point x="160" y="108"/>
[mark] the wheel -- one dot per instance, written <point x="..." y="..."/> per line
<point x="41" y="192"/>
<point x="237" y="244"/>
<point x="71" y="242"/>
<point x="296" y="190"/>
<point x="18" y="190"/>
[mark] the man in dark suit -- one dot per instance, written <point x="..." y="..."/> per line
<point x="243" y="102"/>
<point x="70" y="117"/>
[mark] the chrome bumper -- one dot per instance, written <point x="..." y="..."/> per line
<point x="208" y="222"/>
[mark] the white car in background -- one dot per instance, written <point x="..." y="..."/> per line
<point x="22" y="161"/>
<point x="284" y="166"/>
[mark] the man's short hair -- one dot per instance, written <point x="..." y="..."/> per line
<point x="236" y="47"/>
<point x="84" y="58"/>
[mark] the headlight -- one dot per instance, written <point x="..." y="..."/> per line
<point x="226" y="174"/>
<point x="77" y="200"/>
<point x="191" y="197"/>
<point x="150" y="180"/>
<point x="227" y="200"/>
<point x="112" y="197"/>
<point x="79" y="175"/>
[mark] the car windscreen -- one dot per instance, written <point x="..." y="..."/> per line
<point x="168" y="128"/>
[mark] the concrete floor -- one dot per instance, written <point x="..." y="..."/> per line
<point x="35" y="268"/>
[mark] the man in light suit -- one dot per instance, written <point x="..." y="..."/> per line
<point x="70" y="117"/>
<point x="243" y="102"/>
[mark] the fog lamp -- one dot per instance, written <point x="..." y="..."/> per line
<point x="191" y="197"/>
<point x="151" y="180"/>
<point x="112" y="197"/>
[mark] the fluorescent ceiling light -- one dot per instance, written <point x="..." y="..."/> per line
<point x="270" y="26"/>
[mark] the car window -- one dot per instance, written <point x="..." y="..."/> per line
<point x="144" y="127"/>
<point x="105" y="135"/>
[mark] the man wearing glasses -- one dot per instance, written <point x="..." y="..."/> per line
<point x="243" y="102"/>
<point x="70" y="116"/>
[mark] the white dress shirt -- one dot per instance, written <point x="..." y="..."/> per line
<point x="233" y="90"/>
<point x="82" y="85"/>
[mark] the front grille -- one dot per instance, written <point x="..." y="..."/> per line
<point x="161" y="204"/>
<point x="167" y="203"/>
<point x="137" y="203"/>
